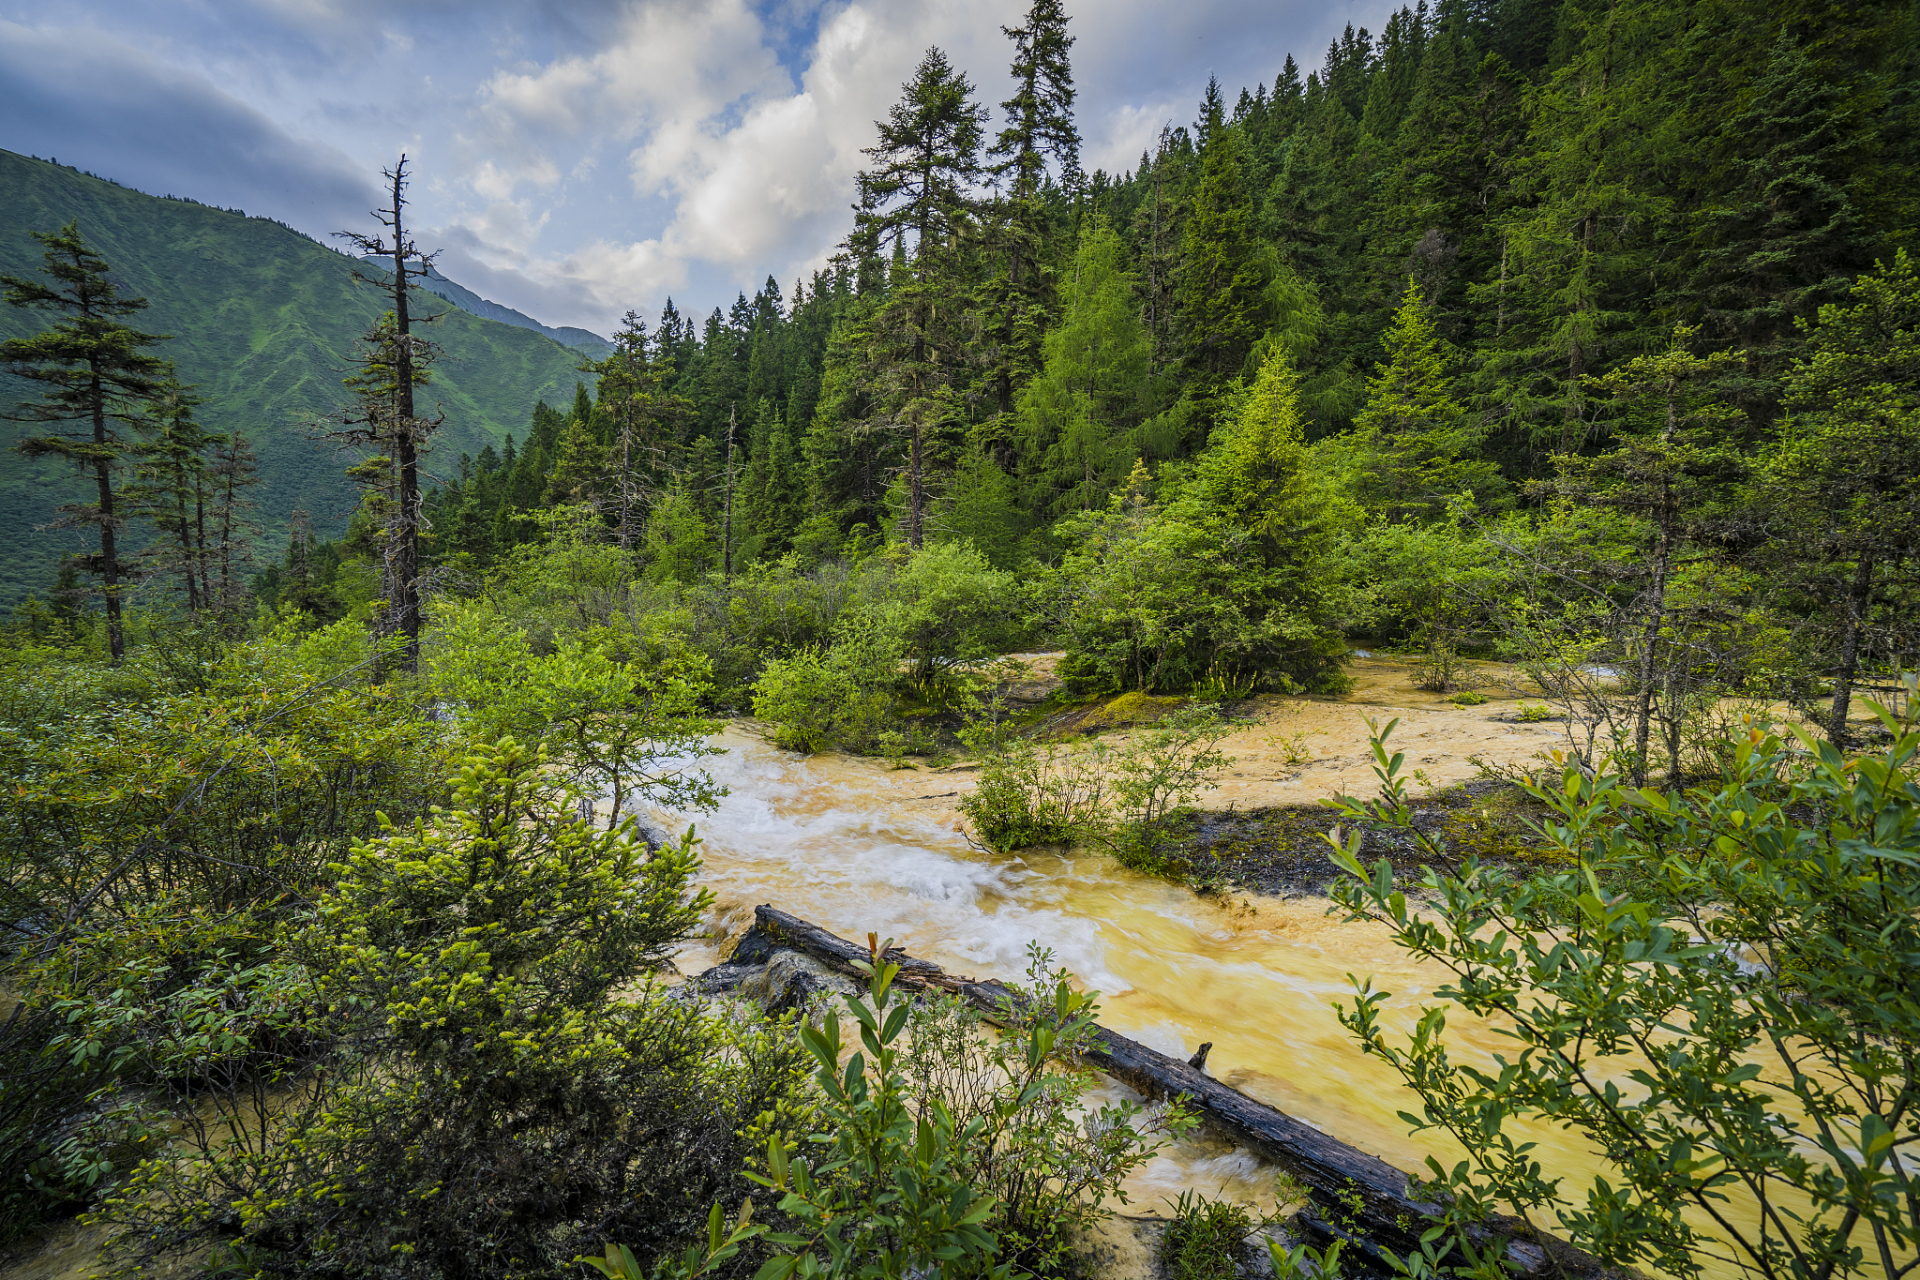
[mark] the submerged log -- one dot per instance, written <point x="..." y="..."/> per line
<point x="1362" y="1193"/>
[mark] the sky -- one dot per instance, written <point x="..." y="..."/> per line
<point x="577" y="158"/>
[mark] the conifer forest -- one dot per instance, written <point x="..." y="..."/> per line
<point x="1529" y="391"/>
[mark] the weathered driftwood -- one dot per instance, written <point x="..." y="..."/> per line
<point x="1343" y="1183"/>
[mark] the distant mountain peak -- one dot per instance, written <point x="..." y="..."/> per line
<point x="467" y="300"/>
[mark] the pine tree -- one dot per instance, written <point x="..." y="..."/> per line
<point x="170" y="489"/>
<point x="1040" y="128"/>
<point x="381" y="422"/>
<point x="1416" y="442"/>
<point x="97" y="373"/>
<point x="1077" y="415"/>
<point x="579" y="463"/>
<point x="1219" y="278"/>
<point x="1579" y="245"/>
<point x="226" y="542"/>
<point x="394" y="364"/>
<point x="1842" y="483"/>
<point x="928" y="155"/>
<point x="1777" y="234"/>
<point x="926" y="160"/>
<point x="644" y="420"/>
<point x="1671" y="460"/>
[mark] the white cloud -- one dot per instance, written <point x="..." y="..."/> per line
<point x="589" y="155"/>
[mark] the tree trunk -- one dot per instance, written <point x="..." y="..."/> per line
<point x="109" y="552"/>
<point x="916" y="493"/>
<point x="1859" y="597"/>
<point x="404" y="601"/>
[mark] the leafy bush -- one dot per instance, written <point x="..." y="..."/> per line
<point x="161" y="829"/>
<point x="887" y="1196"/>
<point x="491" y="1106"/>
<point x="1207" y="1239"/>
<point x="1745" y="951"/>
<point x="1468" y="699"/>
<point x="1128" y="799"/>
<point x="1028" y="793"/>
<point x="952" y="608"/>
<point x="1155" y="780"/>
<point x="1533" y="712"/>
<point x="836" y="697"/>
<point x="1049" y="1165"/>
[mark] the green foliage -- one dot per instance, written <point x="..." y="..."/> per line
<point x="1748" y="970"/>
<point x="1049" y="1163"/>
<point x="834" y="697"/>
<point x="619" y="714"/>
<point x="1031" y="793"/>
<point x="165" y="821"/>
<point x="1230" y="577"/>
<point x="1128" y="799"/>
<point x="1207" y="1239"/>
<point x="950" y="609"/>
<point x="263" y="318"/>
<point x="491" y="1102"/>
<point x="887" y="1195"/>
<point x="1078" y="412"/>
<point x="1414" y="441"/>
<point x="1156" y="778"/>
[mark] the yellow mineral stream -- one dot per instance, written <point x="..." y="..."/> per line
<point x="857" y="847"/>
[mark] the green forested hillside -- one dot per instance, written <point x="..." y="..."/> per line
<point x="264" y="321"/>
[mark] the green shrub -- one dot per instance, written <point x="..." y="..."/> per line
<point x="1468" y="699"/>
<point x="836" y="697"/>
<point x="490" y="1104"/>
<point x="1712" y="945"/>
<point x="1029" y="794"/>
<point x="1049" y="1164"/>
<point x="1533" y="712"/>
<point x="1155" y="779"/>
<point x="1207" y="1239"/>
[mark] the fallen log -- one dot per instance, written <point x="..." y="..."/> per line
<point x="1367" y="1197"/>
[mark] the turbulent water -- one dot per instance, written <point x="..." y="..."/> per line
<point x="845" y="844"/>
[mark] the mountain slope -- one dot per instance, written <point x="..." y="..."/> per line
<point x="264" y="321"/>
<point x="585" y="341"/>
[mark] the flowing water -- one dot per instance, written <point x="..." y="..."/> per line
<point x="852" y="847"/>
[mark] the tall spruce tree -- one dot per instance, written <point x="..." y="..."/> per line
<point x="1077" y="416"/>
<point x="1670" y="463"/>
<point x="95" y="372"/>
<point x="394" y="362"/>
<point x="1219" y="274"/>
<point x="1416" y="442"/>
<point x="1040" y="141"/>
<point x="1842" y="482"/>
<point x="171" y="489"/>
<point x="925" y="164"/>
<point x="927" y="158"/>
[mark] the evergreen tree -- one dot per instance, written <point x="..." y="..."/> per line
<point x="97" y="373"/>
<point x="928" y="155"/>
<point x="394" y="363"/>
<point x="1842" y="482"/>
<point x="1415" y="441"/>
<point x="925" y="161"/>
<point x="1778" y="234"/>
<point x="1076" y="418"/>
<point x="1219" y="280"/>
<point x="1670" y="462"/>
<point x="170" y="489"/>
<point x="227" y="544"/>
